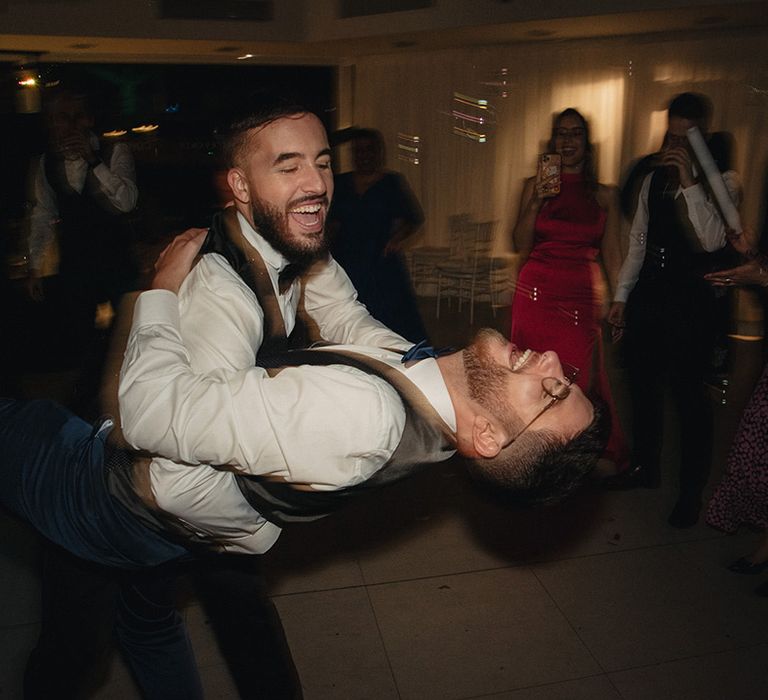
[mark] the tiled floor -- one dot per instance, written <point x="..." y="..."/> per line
<point x="432" y="590"/>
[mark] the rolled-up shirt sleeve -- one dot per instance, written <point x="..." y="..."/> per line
<point x="630" y="268"/>
<point x="42" y="219"/>
<point x="330" y="301"/>
<point x="118" y="179"/>
<point x="704" y="215"/>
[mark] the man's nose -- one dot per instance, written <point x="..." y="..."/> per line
<point x="550" y="364"/>
<point x="313" y="181"/>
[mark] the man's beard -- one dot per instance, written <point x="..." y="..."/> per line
<point x="487" y="381"/>
<point x="272" y="225"/>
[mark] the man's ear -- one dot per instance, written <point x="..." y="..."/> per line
<point x="487" y="437"/>
<point x="238" y="183"/>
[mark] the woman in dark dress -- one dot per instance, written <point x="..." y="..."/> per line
<point x="373" y="213"/>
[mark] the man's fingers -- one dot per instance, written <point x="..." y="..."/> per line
<point x="185" y="243"/>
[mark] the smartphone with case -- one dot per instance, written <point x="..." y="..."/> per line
<point x="548" y="175"/>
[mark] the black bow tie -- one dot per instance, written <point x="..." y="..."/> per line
<point x="217" y="241"/>
<point x="421" y="351"/>
<point x="289" y="273"/>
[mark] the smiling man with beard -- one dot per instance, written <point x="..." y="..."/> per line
<point x="279" y="172"/>
<point x="236" y="306"/>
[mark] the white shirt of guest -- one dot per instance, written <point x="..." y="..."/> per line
<point x="325" y="427"/>
<point x="117" y="181"/>
<point x="221" y="326"/>
<point x="702" y="213"/>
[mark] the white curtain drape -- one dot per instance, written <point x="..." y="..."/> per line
<point x="621" y="85"/>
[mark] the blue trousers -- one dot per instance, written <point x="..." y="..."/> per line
<point x="52" y="476"/>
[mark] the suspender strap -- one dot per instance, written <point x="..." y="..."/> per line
<point x="226" y="238"/>
<point x="412" y="396"/>
<point x="424" y="435"/>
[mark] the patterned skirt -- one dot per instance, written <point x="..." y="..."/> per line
<point x="742" y="496"/>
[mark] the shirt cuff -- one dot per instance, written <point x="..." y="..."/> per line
<point x="694" y="194"/>
<point x="157" y="307"/>
<point x="622" y="294"/>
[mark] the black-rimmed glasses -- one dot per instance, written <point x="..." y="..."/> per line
<point x="556" y="389"/>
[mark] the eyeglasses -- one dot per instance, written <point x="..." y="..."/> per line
<point x="557" y="390"/>
<point x="577" y="132"/>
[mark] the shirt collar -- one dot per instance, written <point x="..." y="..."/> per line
<point x="426" y="375"/>
<point x="272" y="258"/>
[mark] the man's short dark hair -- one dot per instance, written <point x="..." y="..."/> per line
<point x="693" y="106"/>
<point x="257" y="110"/>
<point x="541" y="467"/>
<point x="71" y="92"/>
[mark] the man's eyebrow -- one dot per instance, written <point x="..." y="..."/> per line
<point x="295" y="154"/>
<point x="286" y="156"/>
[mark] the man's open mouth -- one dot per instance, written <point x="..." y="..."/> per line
<point x="521" y="360"/>
<point x="307" y="215"/>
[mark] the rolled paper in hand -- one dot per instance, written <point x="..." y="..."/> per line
<point x="715" y="179"/>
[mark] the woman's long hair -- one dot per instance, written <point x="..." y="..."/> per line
<point x="590" y="169"/>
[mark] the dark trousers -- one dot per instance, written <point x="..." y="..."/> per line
<point x="86" y="605"/>
<point x="52" y="475"/>
<point x="247" y="626"/>
<point x="669" y="344"/>
<point x="79" y="605"/>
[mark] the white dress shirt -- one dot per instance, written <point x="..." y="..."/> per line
<point x="702" y="213"/>
<point x="221" y="326"/>
<point x="117" y="181"/>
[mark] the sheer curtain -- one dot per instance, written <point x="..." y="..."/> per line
<point x="621" y="85"/>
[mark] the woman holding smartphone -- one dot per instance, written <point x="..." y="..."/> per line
<point x="567" y="226"/>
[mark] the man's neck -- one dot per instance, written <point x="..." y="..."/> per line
<point x="455" y="378"/>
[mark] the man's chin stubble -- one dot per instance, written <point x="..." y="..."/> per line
<point x="274" y="228"/>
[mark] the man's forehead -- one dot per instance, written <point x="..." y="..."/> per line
<point x="288" y="134"/>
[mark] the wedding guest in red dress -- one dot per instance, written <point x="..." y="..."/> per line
<point x="565" y="238"/>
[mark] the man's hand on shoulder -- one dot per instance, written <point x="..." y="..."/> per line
<point x="176" y="260"/>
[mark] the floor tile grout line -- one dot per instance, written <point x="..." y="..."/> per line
<point x="528" y="564"/>
<point x="608" y="673"/>
<point x="688" y="657"/>
<point x="383" y="643"/>
<point x="532" y="687"/>
<point x="573" y="628"/>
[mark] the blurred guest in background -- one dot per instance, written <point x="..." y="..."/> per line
<point x="79" y="256"/>
<point x="561" y="236"/>
<point x="79" y="253"/>
<point x="742" y="496"/>
<point x="374" y="212"/>
<point x="669" y="309"/>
